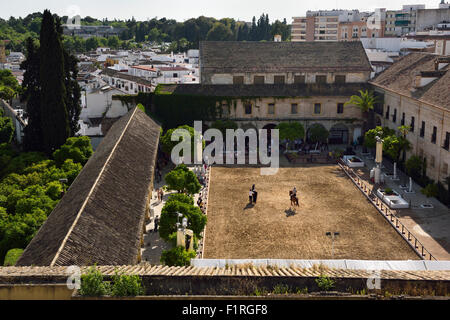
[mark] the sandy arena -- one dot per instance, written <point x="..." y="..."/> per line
<point x="328" y="202"/>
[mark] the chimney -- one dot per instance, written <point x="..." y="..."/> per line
<point x="423" y="78"/>
<point x="441" y="62"/>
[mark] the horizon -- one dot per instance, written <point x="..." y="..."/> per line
<point x="284" y="9"/>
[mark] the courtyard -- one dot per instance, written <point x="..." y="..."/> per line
<point x="329" y="202"/>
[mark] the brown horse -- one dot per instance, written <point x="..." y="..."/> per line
<point x="294" y="199"/>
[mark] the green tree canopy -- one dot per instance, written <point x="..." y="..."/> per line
<point x="177" y="256"/>
<point x="30" y="188"/>
<point x="223" y="125"/>
<point x="181" y="197"/>
<point x="182" y="180"/>
<point x="431" y="190"/>
<point x="370" y="140"/>
<point x="169" y="218"/>
<point x="78" y="149"/>
<point x="291" y="130"/>
<point x="317" y="133"/>
<point x="6" y="129"/>
<point x="219" y="32"/>
<point x="9" y="86"/>
<point x="366" y="102"/>
<point x="12" y="256"/>
<point x="55" y="120"/>
<point x="414" y="166"/>
<point x="168" y="144"/>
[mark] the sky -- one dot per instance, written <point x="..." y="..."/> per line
<point x="182" y="10"/>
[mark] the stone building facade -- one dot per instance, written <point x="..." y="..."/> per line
<point x="343" y="122"/>
<point x="272" y="82"/>
<point x="283" y="63"/>
<point x="416" y="93"/>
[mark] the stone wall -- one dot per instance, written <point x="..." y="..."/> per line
<point x="421" y="146"/>
<point x="36" y="282"/>
<point x="351" y="77"/>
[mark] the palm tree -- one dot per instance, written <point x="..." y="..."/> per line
<point x="405" y="145"/>
<point x="366" y="102"/>
<point x="447" y="182"/>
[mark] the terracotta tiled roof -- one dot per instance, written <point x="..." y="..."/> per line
<point x="145" y="67"/>
<point x="100" y="218"/>
<point x="264" y="90"/>
<point x="240" y="270"/>
<point x="173" y="69"/>
<point x="121" y="75"/>
<point x="400" y="78"/>
<point x="232" y="57"/>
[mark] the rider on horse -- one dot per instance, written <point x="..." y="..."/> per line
<point x="293" y="196"/>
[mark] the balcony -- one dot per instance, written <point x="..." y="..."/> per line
<point x="402" y="23"/>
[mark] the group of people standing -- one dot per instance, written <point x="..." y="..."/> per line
<point x="252" y="195"/>
<point x="160" y="194"/>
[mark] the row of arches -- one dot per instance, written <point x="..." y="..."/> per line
<point x="338" y="134"/>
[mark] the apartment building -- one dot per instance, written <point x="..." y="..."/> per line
<point x="401" y="22"/>
<point x="315" y="28"/>
<point x="429" y="19"/>
<point x="355" y="30"/>
<point x="337" y="25"/>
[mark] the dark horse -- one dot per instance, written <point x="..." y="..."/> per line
<point x="294" y="199"/>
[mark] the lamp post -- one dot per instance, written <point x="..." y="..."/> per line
<point x="378" y="159"/>
<point x="181" y="230"/>
<point x="333" y="236"/>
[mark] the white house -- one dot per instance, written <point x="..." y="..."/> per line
<point x="143" y="71"/>
<point x="125" y="82"/>
<point x="98" y="103"/>
<point x="172" y="74"/>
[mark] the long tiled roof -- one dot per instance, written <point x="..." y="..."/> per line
<point x="100" y="218"/>
<point x="231" y="57"/>
<point x="400" y="78"/>
<point x="246" y="270"/>
<point x="264" y="90"/>
<point x="121" y="75"/>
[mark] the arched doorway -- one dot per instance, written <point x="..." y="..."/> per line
<point x="269" y="127"/>
<point x="338" y="134"/>
<point x="316" y="133"/>
<point x="245" y="127"/>
<point x="377" y="121"/>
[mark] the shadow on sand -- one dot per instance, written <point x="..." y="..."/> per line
<point x="249" y="206"/>
<point x="290" y="212"/>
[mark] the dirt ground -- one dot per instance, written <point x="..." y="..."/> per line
<point x="328" y="202"/>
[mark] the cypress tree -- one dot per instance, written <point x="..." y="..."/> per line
<point x="54" y="115"/>
<point x="33" y="140"/>
<point x="73" y="90"/>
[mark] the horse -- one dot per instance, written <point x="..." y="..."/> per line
<point x="294" y="199"/>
